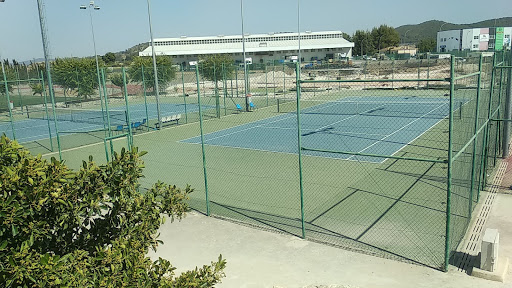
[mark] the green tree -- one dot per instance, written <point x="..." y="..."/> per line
<point x="117" y="79"/>
<point x="384" y="36"/>
<point x="10" y="74"/>
<point x="346" y="36"/>
<point x="76" y="74"/>
<point x="215" y="68"/>
<point x="166" y="71"/>
<point x="363" y="43"/>
<point x="427" y="45"/>
<point x="109" y="58"/>
<point x="86" y="228"/>
<point x="37" y="88"/>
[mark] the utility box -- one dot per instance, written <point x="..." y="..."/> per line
<point x="489" y="255"/>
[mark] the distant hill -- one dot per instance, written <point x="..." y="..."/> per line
<point x="430" y="28"/>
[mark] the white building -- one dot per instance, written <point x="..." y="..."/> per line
<point x="474" y="39"/>
<point x="260" y="48"/>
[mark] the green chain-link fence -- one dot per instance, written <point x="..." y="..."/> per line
<point x="384" y="157"/>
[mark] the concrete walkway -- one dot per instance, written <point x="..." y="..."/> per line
<point x="257" y="258"/>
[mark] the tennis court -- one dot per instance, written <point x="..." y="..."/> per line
<point x="370" y="125"/>
<point x="74" y="120"/>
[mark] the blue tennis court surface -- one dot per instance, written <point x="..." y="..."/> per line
<point x="365" y="126"/>
<point x="37" y="129"/>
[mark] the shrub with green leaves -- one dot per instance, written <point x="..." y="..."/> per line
<point x="86" y="228"/>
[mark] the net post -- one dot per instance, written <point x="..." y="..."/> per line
<point x="46" y="110"/>
<point x="8" y="100"/>
<point x="299" y="144"/>
<point x="473" y="160"/>
<point x="450" y="164"/>
<point x="184" y="94"/>
<point x="130" y="134"/>
<point x="202" y="142"/>
<point x="145" y="96"/>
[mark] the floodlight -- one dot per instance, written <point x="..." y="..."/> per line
<point x="96" y="7"/>
<point x="83" y="7"/>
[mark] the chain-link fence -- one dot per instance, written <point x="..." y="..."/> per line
<point x="383" y="157"/>
<point x="392" y="157"/>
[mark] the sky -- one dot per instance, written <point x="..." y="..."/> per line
<point x="121" y="24"/>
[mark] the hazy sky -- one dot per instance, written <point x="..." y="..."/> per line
<point x="121" y="24"/>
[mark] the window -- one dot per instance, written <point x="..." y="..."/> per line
<point x="492" y="36"/>
<point x="475" y="45"/>
<point x="507" y="36"/>
<point x="444" y="39"/>
<point x="476" y="37"/>
<point x="491" y="45"/>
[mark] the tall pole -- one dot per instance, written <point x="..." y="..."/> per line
<point x="92" y="6"/>
<point x="155" y="70"/>
<point x="243" y="52"/>
<point x="508" y="109"/>
<point x="47" y="66"/>
<point x="298" y="30"/>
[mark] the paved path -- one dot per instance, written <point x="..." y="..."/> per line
<point x="264" y="259"/>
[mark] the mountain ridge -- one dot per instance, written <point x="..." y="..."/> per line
<point x="413" y="33"/>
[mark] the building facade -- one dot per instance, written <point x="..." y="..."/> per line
<point x="260" y="48"/>
<point x="474" y="39"/>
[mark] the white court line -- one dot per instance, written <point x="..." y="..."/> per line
<point x="249" y="128"/>
<point x="403" y="127"/>
<point x="338" y="131"/>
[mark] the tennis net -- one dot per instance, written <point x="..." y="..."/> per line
<point x="435" y="108"/>
<point x="117" y="117"/>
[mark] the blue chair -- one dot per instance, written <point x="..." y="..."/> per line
<point x="144" y="122"/>
<point x="238" y="108"/>
<point x="119" y="128"/>
<point x="251" y="105"/>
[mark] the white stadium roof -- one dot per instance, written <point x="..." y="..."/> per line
<point x="253" y="43"/>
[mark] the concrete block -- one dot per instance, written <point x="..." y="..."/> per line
<point x="498" y="275"/>
<point x="490" y="245"/>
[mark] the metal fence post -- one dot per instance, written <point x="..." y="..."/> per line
<point x="299" y="138"/>
<point x="184" y="94"/>
<point x="475" y="131"/>
<point x="450" y="164"/>
<point x="202" y="142"/>
<point x="128" y="121"/>
<point x="8" y="100"/>
<point x="507" y="114"/>
<point x="103" y="84"/>
<point x="46" y="110"/>
<point x="145" y="96"/>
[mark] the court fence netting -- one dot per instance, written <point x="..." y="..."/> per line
<point x="383" y="157"/>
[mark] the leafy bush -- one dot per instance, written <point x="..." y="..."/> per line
<point x="86" y="228"/>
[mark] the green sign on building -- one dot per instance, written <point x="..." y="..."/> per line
<point x="498" y="46"/>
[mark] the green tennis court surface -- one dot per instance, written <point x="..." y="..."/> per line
<point x="359" y="125"/>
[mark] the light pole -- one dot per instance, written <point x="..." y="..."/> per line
<point x="379" y="43"/>
<point x="243" y="53"/>
<point x="440" y="27"/>
<point x="405" y="36"/>
<point x="155" y="70"/>
<point x="46" y="51"/>
<point x="91" y="7"/>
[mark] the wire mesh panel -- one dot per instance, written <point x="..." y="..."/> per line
<point x="384" y="157"/>
<point x="374" y="151"/>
